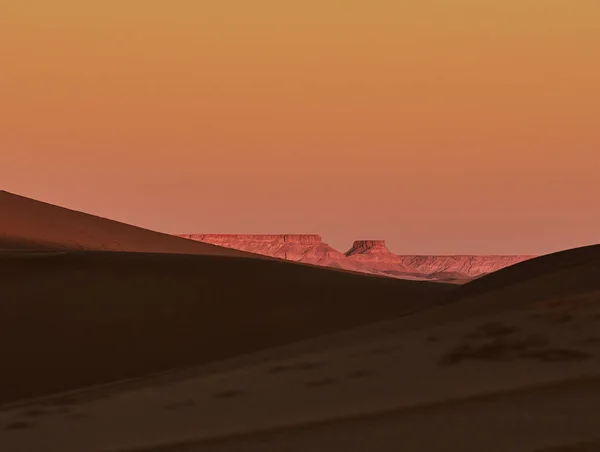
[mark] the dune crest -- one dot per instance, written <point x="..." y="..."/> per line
<point x="27" y="224"/>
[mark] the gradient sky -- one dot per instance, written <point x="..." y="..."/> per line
<point x="443" y="126"/>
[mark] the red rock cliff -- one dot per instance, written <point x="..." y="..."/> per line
<point x="374" y="255"/>
<point x="306" y="248"/>
<point x="462" y="265"/>
<point x="363" y="246"/>
<point x="303" y="239"/>
<point x="368" y="256"/>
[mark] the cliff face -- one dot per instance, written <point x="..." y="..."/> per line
<point x="372" y="251"/>
<point x="306" y="248"/>
<point x="469" y="266"/>
<point x="377" y="258"/>
<point x="367" y="256"/>
<point x="376" y="254"/>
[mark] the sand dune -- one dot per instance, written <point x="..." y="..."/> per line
<point x="228" y="353"/>
<point x="550" y="277"/>
<point x="523" y="379"/>
<point x="27" y="224"/>
<point x="77" y="318"/>
<point x="72" y="318"/>
<point x="528" y="272"/>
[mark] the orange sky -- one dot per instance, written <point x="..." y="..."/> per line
<point x="443" y="126"/>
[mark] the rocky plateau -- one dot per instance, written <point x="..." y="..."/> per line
<point x="366" y="256"/>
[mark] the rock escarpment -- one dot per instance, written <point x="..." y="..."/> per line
<point x="376" y="257"/>
<point x="372" y="251"/>
<point x="376" y="254"/>
<point x="367" y="256"/>
<point x="462" y="265"/>
<point x="305" y="248"/>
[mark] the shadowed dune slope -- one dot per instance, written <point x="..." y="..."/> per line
<point x="530" y="270"/>
<point x="27" y="224"/>
<point x="70" y="319"/>
<point x="501" y="370"/>
<point x="565" y="274"/>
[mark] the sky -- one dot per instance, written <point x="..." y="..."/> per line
<point x="442" y="126"/>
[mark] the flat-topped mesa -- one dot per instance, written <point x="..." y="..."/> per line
<point x="303" y="239"/>
<point x="362" y="246"/>
<point x="375" y="255"/>
<point x="368" y="256"/>
<point x="306" y="248"/>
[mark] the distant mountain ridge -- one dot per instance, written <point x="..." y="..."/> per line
<point x="27" y="224"/>
<point x="306" y="248"/>
<point x="367" y="256"/>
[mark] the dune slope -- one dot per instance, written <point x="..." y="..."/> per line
<point x="531" y="269"/>
<point x="27" y="224"/>
<point x="516" y="368"/>
<point x="79" y="318"/>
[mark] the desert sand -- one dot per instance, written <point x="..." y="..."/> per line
<point x="27" y="224"/>
<point x="124" y="352"/>
<point x="86" y="317"/>
<point x="519" y="377"/>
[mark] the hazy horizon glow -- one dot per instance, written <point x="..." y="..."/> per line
<point x="442" y="126"/>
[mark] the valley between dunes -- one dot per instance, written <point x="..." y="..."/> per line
<point x="118" y="339"/>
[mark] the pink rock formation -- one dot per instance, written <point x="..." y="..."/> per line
<point x="367" y="256"/>
<point x="306" y="248"/>
<point x="372" y="251"/>
<point x="376" y="257"/>
<point x="462" y="265"/>
<point x="374" y="254"/>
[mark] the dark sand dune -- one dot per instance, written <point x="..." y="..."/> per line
<point x="72" y="318"/>
<point x="298" y="357"/>
<point x="513" y="369"/>
<point x="559" y="275"/>
<point x="27" y="224"/>
<point x="80" y="318"/>
<point x="531" y="269"/>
